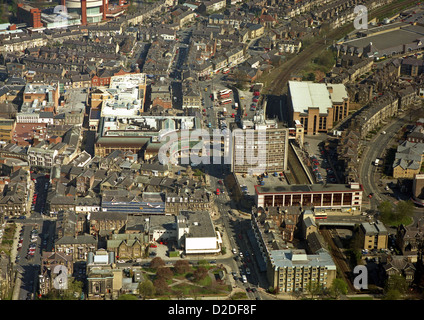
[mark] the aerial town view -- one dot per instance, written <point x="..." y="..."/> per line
<point x="219" y="150"/>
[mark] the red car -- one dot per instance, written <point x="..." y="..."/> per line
<point x="153" y="246"/>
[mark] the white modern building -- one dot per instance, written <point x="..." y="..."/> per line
<point x="196" y="233"/>
<point x="128" y="92"/>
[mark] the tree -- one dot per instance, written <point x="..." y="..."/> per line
<point x="146" y="289"/>
<point x="156" y="263"/>
<point x="164" y="273"/>
<point x="239" y="77"/>
<point x="181" y="266"/>
<point x="309" y="77"/>
<point x="326" y="59"/>
<point x="386" y="211"/>
<point x="161" y="286"/>
<point x="404" y="210"/>
<point x="200" y="273"/>
<point x="392" y="294"/>
<point x="397" y="282"/>
<point x="314" y="289"/>
<point x="338" y="287"/>
<point x="401" y="213"/>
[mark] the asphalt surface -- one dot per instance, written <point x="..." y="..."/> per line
<point x="369" y="175"/>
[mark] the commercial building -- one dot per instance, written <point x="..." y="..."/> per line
<point x="29" y="15"/>
<point x="104" y="279"/>
<point x="259" y="148"/>
<point x="328" y="197"/>
<point x="127" y="94"/>
<point x="196" y="233"/>
<point x="38" y="98"/>
<point x="90" y="11"/>
<point x="317" y="105"/>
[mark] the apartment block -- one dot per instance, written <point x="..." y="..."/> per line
<point x="374" y="235"/>
<point x="294" y="270"/>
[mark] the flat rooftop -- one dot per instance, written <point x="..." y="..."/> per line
<point x="306" y="94"/>
<point x="303" y="188"/>
<point x="390" y="39"/>
<point x="298" y="258"/>
<point x="250" y="181"/>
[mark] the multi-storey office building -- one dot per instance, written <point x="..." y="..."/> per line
<point x="262" y="149"/>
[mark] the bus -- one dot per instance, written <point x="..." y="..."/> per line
<point x="226" y="101"/>
<point x="320" y="215"/>
<point x="223" y="94"/>
<point x="225" y="91"/>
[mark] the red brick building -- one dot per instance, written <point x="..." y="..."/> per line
<point x="29" y="15"/>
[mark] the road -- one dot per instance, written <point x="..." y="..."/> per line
<point x="368" y="174"/>
<point x="370" y="178"/>
<point x="231" y="225"/>
<point x="29" y="266"/>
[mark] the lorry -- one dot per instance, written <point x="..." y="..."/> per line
<point x="224" y="112"/>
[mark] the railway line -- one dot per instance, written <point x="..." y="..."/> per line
<point x="339" y="258"/>
<point x="296" y="169"/>
<point x="294" y="65"/>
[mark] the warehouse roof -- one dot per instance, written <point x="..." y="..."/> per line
<point x="306" y="94"/>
